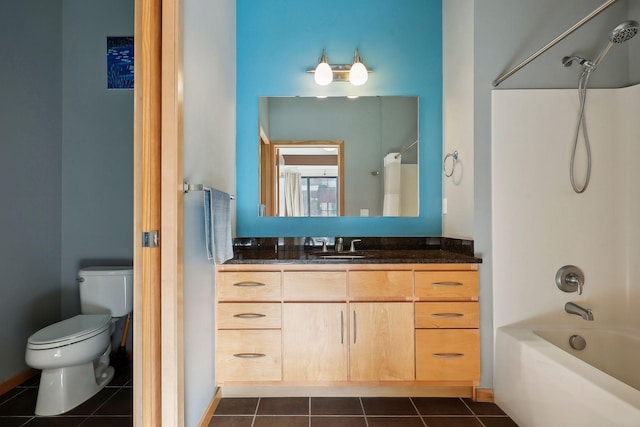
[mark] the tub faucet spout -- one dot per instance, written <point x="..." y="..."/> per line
<point x="573" y="308"/>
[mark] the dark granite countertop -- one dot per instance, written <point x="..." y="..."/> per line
<point x="370" y="250"/>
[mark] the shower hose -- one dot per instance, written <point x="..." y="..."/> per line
<point x="582" y="124"/>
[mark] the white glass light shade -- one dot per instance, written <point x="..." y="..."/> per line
<point x="358" y="74"/>
<point x="323" y="74"/>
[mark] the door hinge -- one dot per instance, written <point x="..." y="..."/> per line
<point x="150" y="239"/>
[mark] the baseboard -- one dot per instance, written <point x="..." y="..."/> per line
<point x="254" y="390"/>
<point x="206" y="418"/>
<point x="483" y="395"/>
<point x="15" y="381"/>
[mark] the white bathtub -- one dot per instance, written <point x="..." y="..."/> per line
<point x="540" y="381"/>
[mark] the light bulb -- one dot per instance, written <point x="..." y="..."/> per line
<point x="358" y="74"/>
<point x="323" y="75"/>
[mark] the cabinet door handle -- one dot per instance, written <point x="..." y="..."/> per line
<point x="447" y="315"/>
<point x="249" y="315"/>
<point x="249" y="355"/>
<point x="447" y="284"/>
<point x="248" y="284"/>
<point x="355" y="327"/>
<point x="341" y="327"/>
<point x="447" y="355"/>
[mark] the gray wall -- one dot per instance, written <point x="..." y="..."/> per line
<point x="97" y="145"/>
<point x="209" y="159"/>
<point x="30" y="171"/>
<point x="506" y="32"/>
<point x="66" y="167"/>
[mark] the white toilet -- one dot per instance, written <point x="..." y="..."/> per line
<point x="74" y="353"/>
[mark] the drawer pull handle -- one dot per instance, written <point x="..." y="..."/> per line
<point x="249" y="315"/>
<point x="249" y="284"/>
<point x="249" y="355"/>
<point x="447" y="284"/>
<point x="448" y="355"/>
<point x="447" y="315"/>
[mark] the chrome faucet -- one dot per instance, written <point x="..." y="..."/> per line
<point x="338" y="245"/>
<point x="573" y="308"/>
<point x="353" y="245"/>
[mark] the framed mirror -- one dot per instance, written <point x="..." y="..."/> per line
<point x="339" y="156"/>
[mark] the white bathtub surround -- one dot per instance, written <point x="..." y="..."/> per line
<point x="542" y="385"/>
<point x="540" y="224"/>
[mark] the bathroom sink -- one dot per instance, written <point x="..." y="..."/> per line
<point x="343" y="256"/>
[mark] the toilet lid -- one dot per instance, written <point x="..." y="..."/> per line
<point x="68" y="331"/>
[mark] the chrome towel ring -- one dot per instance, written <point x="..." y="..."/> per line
<point x="454" y="160"/>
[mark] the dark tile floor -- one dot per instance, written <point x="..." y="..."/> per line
<point x="112" y="406"/>
<point x="357" y="412"/>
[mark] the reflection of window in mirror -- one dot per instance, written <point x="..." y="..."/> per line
<point x="308" y="178"/>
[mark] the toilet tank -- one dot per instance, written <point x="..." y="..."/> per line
<point x="106" y="290"/>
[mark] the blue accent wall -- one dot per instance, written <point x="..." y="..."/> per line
<point x="278" y="40"/>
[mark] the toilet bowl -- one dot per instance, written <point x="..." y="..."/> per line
<point x="73" y="354"/>
<point x="65" y="351"/>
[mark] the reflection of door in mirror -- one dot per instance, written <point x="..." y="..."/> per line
<point x="306" y="178"/>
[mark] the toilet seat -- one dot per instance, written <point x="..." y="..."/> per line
<point x="69" y="331"/>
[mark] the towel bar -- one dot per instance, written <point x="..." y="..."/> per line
<point x="186" y="187"/>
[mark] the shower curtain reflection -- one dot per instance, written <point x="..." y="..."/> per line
<point x="392" y="184"/>
<point x="292" y="194"/>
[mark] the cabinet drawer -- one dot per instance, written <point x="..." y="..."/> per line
<point x="237" y="315"/>
<point x="447" y="355"/>
<point x="447" y="315"/>
<point x="249" y="355"/>
<point x="314" y="285"/>
<point x="447" y="284"/>
<point x="249" y="286"/>
<point x="381" y="285"/>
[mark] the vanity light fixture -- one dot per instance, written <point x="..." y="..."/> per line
<point x="358" y="75"/>
<point x="324" y="73"/>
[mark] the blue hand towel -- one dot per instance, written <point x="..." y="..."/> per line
<point x="217" y="225"/>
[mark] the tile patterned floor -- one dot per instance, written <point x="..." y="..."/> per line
<point x="112" y="406"/>
<point x="357" y="412"/>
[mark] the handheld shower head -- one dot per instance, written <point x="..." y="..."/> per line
<point x="620" y="34"/>
<point x="624" y="31"/>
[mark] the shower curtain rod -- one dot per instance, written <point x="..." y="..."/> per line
<point x="405" y="149"/>
<point x="553" y="42"/>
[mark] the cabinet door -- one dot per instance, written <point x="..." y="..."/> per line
<point x="381" y="342"/>
<point x="314" y="340"/>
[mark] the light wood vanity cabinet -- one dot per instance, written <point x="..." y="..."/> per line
<point x="315" y="342"/>
<point x="249" y="337"/>
<point x="447" y="322"/>
<point x="348" y="324"/>
<point x="382" y="341"/>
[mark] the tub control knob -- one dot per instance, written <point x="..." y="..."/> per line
<point x="570" y="279"/>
